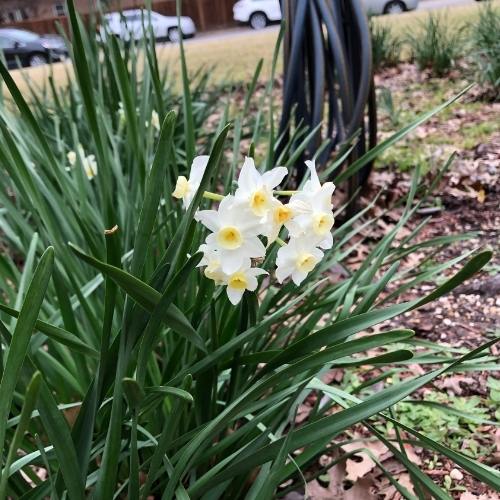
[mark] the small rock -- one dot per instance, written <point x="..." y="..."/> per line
<point x="456" y="475"/>
<point x="447" y="321"/>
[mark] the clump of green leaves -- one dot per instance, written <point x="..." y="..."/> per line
<point x="386" y="46"/>
<point x="436" y="45"/>
<point x="388" y="106"/>
<point x="451" y="420"/>
<point x="485" y="47"/>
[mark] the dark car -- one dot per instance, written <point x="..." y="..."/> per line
<point x="24" y="48"/>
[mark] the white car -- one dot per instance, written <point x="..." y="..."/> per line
<point x="258" y="13"/>
<point x="389" y="6"/>
<point x="129" y="25"/>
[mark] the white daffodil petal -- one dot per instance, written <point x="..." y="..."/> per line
<point x="255" y="247"/>
<point x="327" y="243"/>
<point x="311" y="165"/>
<point x="250" y="224"/>
<point x="274" y="177"/>
<point x="256" y="271"/>
<point x="298" y="277"/>
<point x="198" y="168"/>
<point x="282" y="272"/>
<point x="252" y="274"/>
<point x="234" y="295"/>
<point x="209" y="218"/>
<point x="252" y="283"/>
<point x="231" y="261"/>
<point x="249" y="178"/>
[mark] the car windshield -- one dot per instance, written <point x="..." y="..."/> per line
<point x="20" y="35"/>
<point x="132" y="15"/>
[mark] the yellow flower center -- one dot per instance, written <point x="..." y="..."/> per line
<point x="229" y="238"/>
<point x="238" y="281"/>
<point x="322" y="223"/>
<point x="259" y="202"/>
<point x="282" y="214"/>
<point x="306" y="262"/>
<point x="181" y="188"/>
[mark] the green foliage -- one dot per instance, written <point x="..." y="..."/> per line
<point x="453" y="420"/>
<point x="494" y="387"/>
<point x="387" y="105"/>
<point x="146" y="370"/>
<point x="386" y="46"/>
<point x="437" y="45"/>
<point x="485" y="46"/>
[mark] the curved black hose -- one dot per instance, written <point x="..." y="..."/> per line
<point x="328" y="69"/>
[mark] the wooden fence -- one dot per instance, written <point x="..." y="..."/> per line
<point x="207" y="15"/>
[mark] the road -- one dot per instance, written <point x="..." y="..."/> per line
<point x="440" y="4"/>
<point x="234" y="32"/>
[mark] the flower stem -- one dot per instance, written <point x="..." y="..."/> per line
<point x="280" y="242"/>
<point x="285" y="193"/>
<point x="213" y="196"/>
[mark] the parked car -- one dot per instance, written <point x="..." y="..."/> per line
<point x="130" y="24"/>
<point x="259" y="13"/>
<point x="24" y="48"/>
<point x="389" y="6"/>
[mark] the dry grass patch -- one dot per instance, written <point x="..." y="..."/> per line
<point x="234" y="55"/>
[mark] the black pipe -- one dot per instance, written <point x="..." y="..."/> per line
<point x="328" y="68"/>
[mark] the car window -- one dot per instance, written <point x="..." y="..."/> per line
<point x="20" y="35"/>
<point x="132" y="17"/>
<point x="6" y="43"/>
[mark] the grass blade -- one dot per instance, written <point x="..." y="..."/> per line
<point x="22" y="334"/>
<point x="30" y="400"/>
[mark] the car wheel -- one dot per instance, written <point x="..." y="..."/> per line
<point x="37" y="60"/>
<point x="394" y="7"/>
<point x="174" y="35"/>
<point x="258" y="20"/>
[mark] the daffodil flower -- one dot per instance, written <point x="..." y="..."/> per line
<point x="313" y="208"/>
<point x="278" y="215"/>
<point x="88" y="162"/>
<point x="89" y="166"/>
<point x="155" y="120"/>
<point x="212" y="262"/>
<point x="185" y="189"/>
<point x="253" y="211"/>
<point x="313" y="185"/>
<point x="242" y="279"/>
<point x="255" y="189"/>
<point x="297" y="259"/>
<point x="234" y="234"/>
<point x="71" y="158"/>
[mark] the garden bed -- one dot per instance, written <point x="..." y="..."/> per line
<point x="466" y="201"/>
